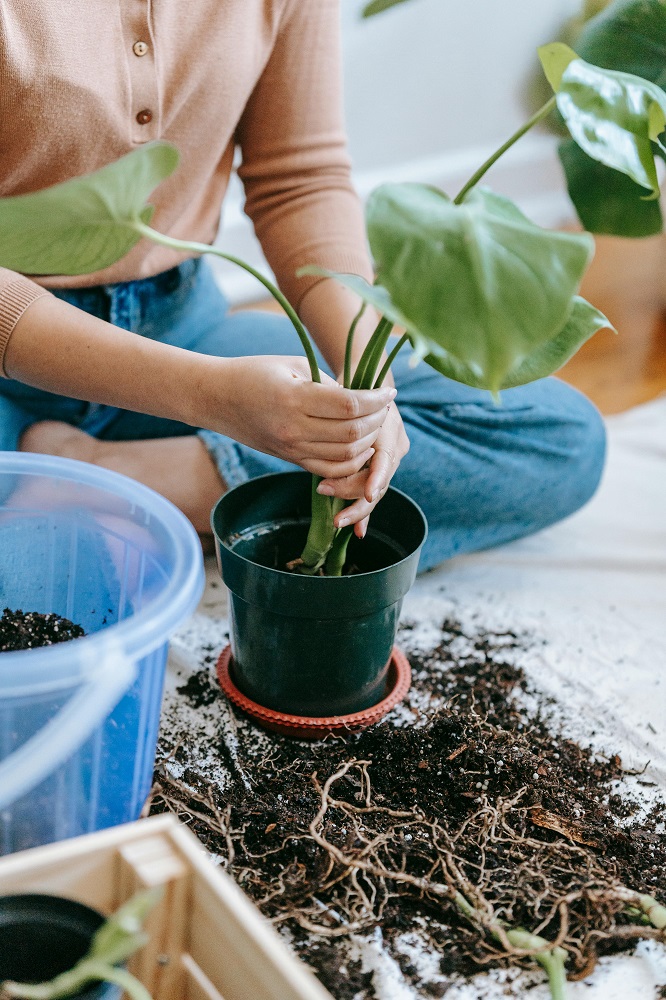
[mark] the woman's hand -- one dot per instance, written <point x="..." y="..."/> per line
<point x="369" y="485"/>
<point x="271" y="403"/>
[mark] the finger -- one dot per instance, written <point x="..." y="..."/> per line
<point x="361" y="527"/>
<point x="327" y="429"/>
<point x="382" y="468"/>
<point x="355" y="513"/>
<point x="335" y="470"/>
<point x="350" y="488"/>
<point x="336" y="452"/>
<point x="333" y="401"/>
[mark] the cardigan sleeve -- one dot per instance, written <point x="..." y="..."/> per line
<point x="16" y="294"/>
<point x="295" y="165"/>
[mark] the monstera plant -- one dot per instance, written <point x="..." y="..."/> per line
<point x="482" y="294"/>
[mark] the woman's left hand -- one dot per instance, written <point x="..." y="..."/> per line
<point x="368" y="486"/>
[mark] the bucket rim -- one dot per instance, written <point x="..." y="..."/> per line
<point x="54" y="667"/>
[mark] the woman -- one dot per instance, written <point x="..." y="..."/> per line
<point x="141" y="369"/>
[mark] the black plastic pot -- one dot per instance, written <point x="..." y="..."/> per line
<point x="310" y="645"/>
<point x="42" y="936"/>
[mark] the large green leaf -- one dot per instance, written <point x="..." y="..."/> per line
<point x="613" y="116"/>
<point x="84" y="224"/>
<point x="606" y="200"/>
<point x="630" y="35"/>
<point x="583" y="321"/>
<point x="478" y="280"/>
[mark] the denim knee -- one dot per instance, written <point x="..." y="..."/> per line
<point x="581" y="435"/>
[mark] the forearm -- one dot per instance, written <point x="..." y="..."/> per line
<point x="61" y="349"/>
<point x="328" y="310"/>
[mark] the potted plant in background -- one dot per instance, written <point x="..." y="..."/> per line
<point x="482" y="294"/>
<point x="52" y="948"/>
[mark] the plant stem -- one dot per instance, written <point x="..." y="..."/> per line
<point x="389" y="361"/>
<point x="186" y="246"/>
<point x="551" y="959"/>
<point x="335" y="560"/>
<point x="652" y="909"/>
<point x="476" y="177"/>
<point x="121" y="977"/>
<point x="322" y="531"/>
<point x="365" y="370"/>
<point x="346" y="381"/>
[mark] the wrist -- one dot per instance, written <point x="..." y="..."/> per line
<point x="206" y="393"/>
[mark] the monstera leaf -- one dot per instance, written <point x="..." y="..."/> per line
<point x="583" y="322"/>
<point x="478" y="281"/>
<point x="613" y="116"/>
<point x="487" y="313"/>
<point x="630" y="36"/>
<point x="606" y="200"/>
<point x="83" y="225"/>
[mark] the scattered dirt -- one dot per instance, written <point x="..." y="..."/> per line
<point x="28" y="630"/>
<point x="478" y="794"/>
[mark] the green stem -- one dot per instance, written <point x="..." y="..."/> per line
<point x="185" y="246"/>
<point x="130" y="984"/>
<point x="476" y="177"/>
<point x="378" y="349"/>
<point x="650" y="907"/>
<point x="322" y="531"/>
<point x="389" y="361"/>
<point x="365" y="370"/>
<point x="551" y="959"/>
<point x="346" y="381"/>
<point x="70" y="983"/>
<point x="335" y="560"/>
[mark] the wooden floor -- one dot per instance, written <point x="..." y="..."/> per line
<point x="627" y="281"/>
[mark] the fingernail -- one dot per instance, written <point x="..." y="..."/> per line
<point x="363" y="531"/>
<point x="393" y="392"/>
<point x="325" y="489"/>
<point x="343" y="521"/>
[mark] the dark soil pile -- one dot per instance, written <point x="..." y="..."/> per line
<point x="481" y="798"/>
<point x="28" y="630"/>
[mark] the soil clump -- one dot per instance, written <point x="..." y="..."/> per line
<point x="30" y="630"/>
<point x="475" y="792"/>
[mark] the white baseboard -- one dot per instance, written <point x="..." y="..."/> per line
<point x="530" y="173"/>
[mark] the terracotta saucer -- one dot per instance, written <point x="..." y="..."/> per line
<point x="310" y="727"/>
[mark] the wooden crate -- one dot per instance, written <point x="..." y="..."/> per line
<point x="207" y="940"/>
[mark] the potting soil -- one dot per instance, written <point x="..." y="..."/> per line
<point x="471" y="787"/>
<point x="29" y="630"/>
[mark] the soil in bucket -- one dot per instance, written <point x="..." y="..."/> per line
<point x="29" y="630"/>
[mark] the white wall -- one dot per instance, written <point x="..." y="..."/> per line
<point x="431" y="88"/>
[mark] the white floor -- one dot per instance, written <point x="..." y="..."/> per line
<point x="594" y="588"/>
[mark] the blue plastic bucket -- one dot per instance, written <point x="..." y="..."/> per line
<point x="79" y="720"/>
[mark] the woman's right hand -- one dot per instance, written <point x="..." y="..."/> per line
<point x="271" y="403"/>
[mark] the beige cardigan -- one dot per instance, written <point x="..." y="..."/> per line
<point x="83" y="82"/>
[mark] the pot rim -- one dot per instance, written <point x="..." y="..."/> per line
<point x="335" y="580"/>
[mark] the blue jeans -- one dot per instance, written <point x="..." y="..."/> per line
<point x="483" y="474"/>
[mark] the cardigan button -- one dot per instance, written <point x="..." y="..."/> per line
<point x="144" y="117"/>
<point x="139" y="48"/>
